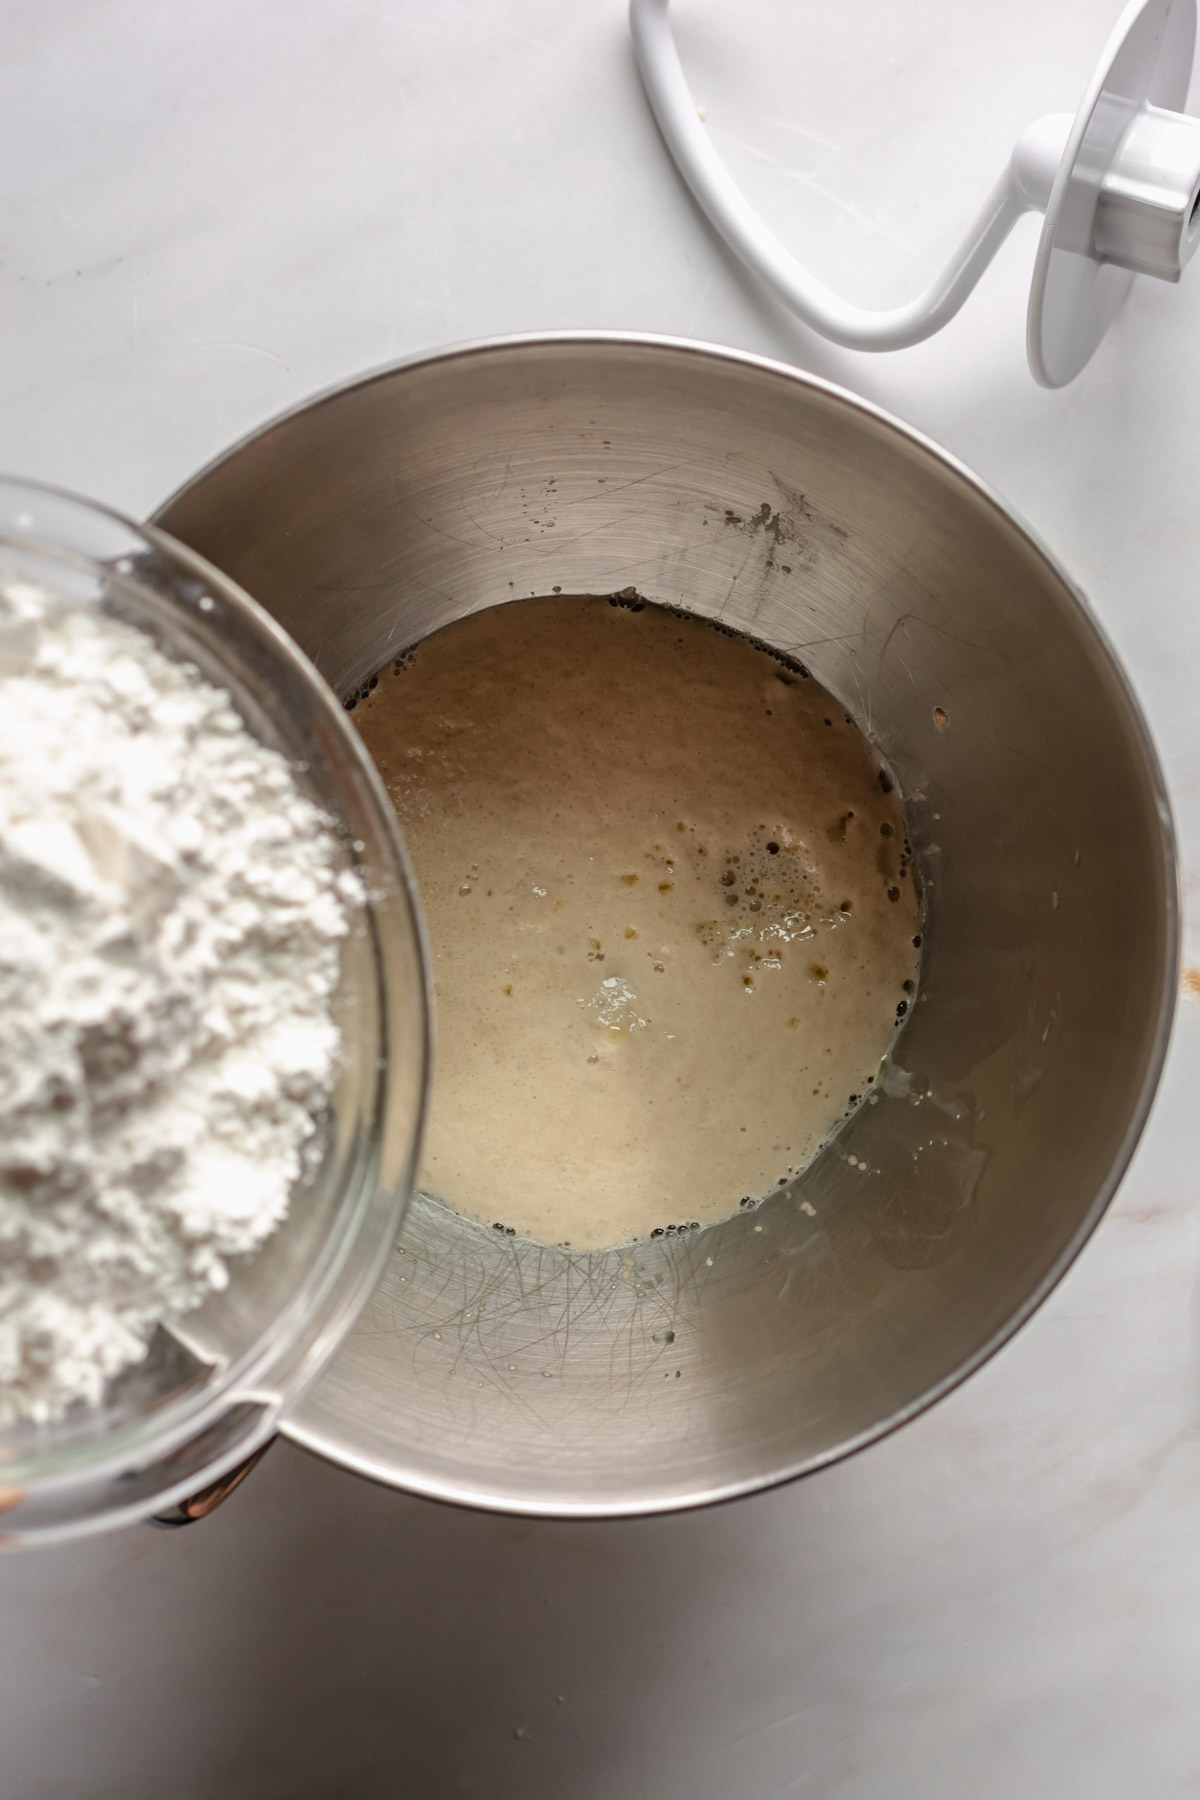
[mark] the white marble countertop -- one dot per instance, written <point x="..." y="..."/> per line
<point x="207" y="212"/>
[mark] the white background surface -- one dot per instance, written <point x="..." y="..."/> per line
<point x="208" y="211"/>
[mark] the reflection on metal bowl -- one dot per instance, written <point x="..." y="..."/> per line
<point x="501" y="1373"/>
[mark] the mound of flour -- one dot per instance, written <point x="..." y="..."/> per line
<point x="170" y="915"/>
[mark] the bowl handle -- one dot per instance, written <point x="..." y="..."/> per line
<point x="207" y="1499"/>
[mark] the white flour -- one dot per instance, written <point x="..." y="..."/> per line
<point x="170" y="917"/>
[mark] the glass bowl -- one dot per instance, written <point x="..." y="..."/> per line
<point x="214" y="1383"/>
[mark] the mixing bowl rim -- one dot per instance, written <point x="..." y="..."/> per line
<point x="412" y="1479"/>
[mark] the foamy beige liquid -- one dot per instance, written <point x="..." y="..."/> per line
<point x="670" y="918"/>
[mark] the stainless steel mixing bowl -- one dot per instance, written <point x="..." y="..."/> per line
<point x="493" y="1371"/>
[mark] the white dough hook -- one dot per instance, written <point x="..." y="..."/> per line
<point x="1118" y="181"/>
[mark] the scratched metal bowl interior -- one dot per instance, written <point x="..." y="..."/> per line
<point x="494" y="1371"/>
